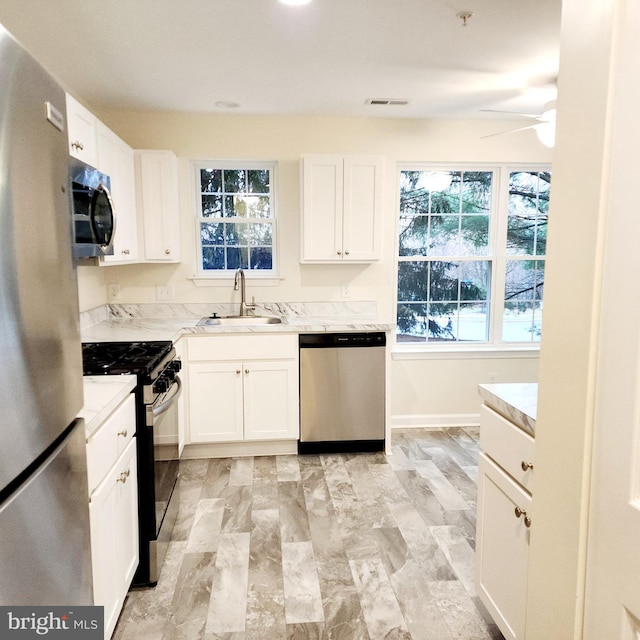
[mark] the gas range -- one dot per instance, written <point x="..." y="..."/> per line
<point x="158" y="451"/>
<point x="122" y="358"/>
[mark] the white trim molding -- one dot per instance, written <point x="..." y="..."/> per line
<point x="435" y="421"/>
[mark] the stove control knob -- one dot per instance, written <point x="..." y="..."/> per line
<point x="175" y="365"/>
<point x="170" y="374"/>
<point x="161" y="385"/>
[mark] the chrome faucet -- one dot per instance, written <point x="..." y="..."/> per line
<point x="238" y="283"/>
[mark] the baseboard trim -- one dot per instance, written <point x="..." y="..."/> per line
<point x="435" y="421"/>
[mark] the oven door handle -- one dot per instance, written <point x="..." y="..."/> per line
<point x="167" y="404"/>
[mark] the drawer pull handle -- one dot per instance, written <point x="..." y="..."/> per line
<point x="123" y="433"/>
<point x="521" y="512"/>
<point x="78" y="146"/>
<point x="123" y="476"/>
<point x="526" y="465"/>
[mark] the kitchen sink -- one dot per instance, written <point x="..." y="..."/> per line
<point x="245" y="321"/>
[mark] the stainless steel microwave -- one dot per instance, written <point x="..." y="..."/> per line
<point x="94" y="219"/>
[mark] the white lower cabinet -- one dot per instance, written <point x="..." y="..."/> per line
<point x="504" y="521"/>
<point x="243" y="388"/>
<point x="113" y="510"/>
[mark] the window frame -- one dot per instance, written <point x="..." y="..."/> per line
<point x="210" y="276"/>
<point x="497" y="256"/>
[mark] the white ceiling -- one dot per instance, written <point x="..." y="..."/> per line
<point x="325" y="58"/>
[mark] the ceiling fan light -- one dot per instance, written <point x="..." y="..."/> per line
<point x="546" y="130"/>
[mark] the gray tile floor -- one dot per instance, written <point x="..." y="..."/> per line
<point x="328" y="547"/>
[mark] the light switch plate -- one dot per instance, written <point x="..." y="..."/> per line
<point x="164" y="293"/>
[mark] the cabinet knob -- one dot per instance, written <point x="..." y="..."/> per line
<point x="167" y="251"/>
<point x="346" y="253"/>
<point x="246" y="371"/>
<point x="123" y="476"/>
<point x="125" y="252"/>
<point x="519" y="511"/>
<point x="123" y="433"/>
<point x="78" y="146"/>
<point x="526" y="465"/>
<point x="339" y="252"/>
<point x="238" y="371"/>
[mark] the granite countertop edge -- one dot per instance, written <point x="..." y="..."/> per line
<point x="516" y="401"/>
<point x="102" y="395"/>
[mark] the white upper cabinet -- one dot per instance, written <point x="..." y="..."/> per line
<point x="158" y="205"/>
<point x="115" y="158"/>
<point x="341" y="208"/>
<point x="81" y="132"/>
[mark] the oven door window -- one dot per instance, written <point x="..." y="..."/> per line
<point x="165" y="448"/>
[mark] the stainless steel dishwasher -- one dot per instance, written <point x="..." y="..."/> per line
<point x="342" y="392"/>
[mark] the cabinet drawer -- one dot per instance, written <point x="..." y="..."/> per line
<point x="243" y="347"/>
<point x="107" y="443"/>
<point x="509" y="446"/>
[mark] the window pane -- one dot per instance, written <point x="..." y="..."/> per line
<point x="475" y="280"/>
<point x="257" y="206"/>
<point x="259" y="234"/>
<point x="528" y="212"/>
<point x="440" y="323"/>
<point x="235" y="180"/>
<point x="475" y="235"/>
<point x="524" y="286"/>
<point x="260" y="258"/>
<point x="258" y="181"/>
<point x="412" y="281"/>
<point x="413" y="235"/>
<point x="237" y="257"/>
<point x="212" y="206"/>
<point x="443" y="281"/>
<point x="212" y="258"/>
<point x="211" y="233"/>
<point x="444" y="237"/>
<point x="473" y="322"/>
<point x="412" y="322"/>
<point x="476" y="191"/>
<point x="211" y="180"/>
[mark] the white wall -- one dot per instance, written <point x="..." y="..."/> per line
<point x="284" y="139"/>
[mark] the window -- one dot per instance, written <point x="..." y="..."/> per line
<point x="463" y="235"/>
<point x="236" y="225"/>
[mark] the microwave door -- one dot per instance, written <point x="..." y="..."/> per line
<point x="102" y="217"/>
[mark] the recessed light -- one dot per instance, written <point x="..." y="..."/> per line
<point x="295" y="2"/>
<point x="227" y="104"/>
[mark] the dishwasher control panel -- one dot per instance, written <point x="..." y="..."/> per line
<point x="337" y="340"/>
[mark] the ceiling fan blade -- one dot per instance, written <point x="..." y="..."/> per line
<point x="514" y="113"/>
<point x="501" y="133"/>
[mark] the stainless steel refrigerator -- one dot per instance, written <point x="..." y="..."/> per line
<point x="44" y="519"/>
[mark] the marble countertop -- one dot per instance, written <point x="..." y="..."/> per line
<point x="171" y="322"/>
<point x="516" y="401"/>
<point x="103" y="394"/>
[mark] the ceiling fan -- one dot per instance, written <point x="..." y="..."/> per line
<point x="545" y="124"/>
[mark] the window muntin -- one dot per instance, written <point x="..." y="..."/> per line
<point x="236" y="216"/>
<point x="460" y="233"/>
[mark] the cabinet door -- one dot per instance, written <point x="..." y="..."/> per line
<point x="113" y="514"/>
<point x="362" y="221"/>
<point x="502" y="548"/>
<point x="81" y="132"/>
<point x="157" y="193"/>
<point x="215" y="402"/>
<point x="116" y="159"/>
<point x="271" y="400"/>
<point x="322" y="204"/>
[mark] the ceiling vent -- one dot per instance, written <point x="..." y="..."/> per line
<point x="396" y="102"/>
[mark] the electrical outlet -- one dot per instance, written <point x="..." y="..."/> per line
<point x="113" y="292"/>
<point x="164" y="292"/>
<point x="346" y="290"/>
